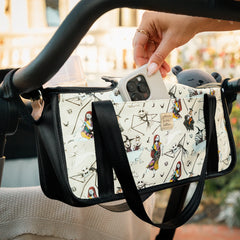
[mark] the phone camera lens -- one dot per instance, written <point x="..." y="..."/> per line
<point x="142" y="87"/>
<point x="131" y="86"/>
<point x="136" y="97"/>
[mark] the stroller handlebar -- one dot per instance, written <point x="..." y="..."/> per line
<point x="86" y="12"/>
<point x="231" y="86"/>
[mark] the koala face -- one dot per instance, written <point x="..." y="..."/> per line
<point x="195" y="77"/>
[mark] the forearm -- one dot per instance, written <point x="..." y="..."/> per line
<point x="208" y="24"/>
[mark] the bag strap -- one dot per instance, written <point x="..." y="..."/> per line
<point x="106" y="125"/>
<point x="123" y="207"/>
<point x="174" y="207"/>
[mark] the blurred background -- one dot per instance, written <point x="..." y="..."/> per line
<point x="27" y="25"/>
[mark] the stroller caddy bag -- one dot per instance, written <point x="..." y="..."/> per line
<point x="94" y="148"/>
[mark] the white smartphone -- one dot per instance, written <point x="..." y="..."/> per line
<point x="139" y="86"/>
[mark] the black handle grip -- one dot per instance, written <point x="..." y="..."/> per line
<point x="231" y="86"/>
<point x="86" y="12"/>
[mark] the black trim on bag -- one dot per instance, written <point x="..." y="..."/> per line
<point x="212" y="164"/>
<point x="229" y="131"/>
<point x="50" y="183"/>
<point x="231" y="141"/>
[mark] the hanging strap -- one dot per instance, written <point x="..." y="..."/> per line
<point x="106" y="126"/>
<point x="174" y="207"/>
<point x="123" y="207"/>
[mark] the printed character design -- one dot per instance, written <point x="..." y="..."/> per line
<point x="119" y="190"/>
<point x="92" y="193"/>
<point x="188" y="122"/>
<point x="177" y="173"/>
<point x="127" y="144"/>
<point x="87" y="131"/>
<point x="137" y="143"/>
<point x="155" y="155"/>
<point x="84" y="175"/>
<point x="199" y="136"/>
<point x="212" y="92"/>
<point x="177" y="108"/>
<point x="171" y="153"/>
<point x="143" y="116"/>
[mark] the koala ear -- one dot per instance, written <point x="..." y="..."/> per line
<point x="176" y="70"/>
<point x="217" y="77"/>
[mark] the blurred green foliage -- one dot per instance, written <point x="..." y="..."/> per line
<point x="236" y="209"/>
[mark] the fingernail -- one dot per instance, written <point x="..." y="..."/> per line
<point x="152" y="68"/>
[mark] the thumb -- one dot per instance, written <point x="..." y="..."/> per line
<point x="158" y="57"/>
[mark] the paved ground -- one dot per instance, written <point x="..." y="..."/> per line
<point x="206" y="232"/>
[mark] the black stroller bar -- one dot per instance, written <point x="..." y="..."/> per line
<point x="231" y="86"/>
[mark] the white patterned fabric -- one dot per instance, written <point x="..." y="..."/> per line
<point x="164" y="139"/>
<point x="27" y="214"/>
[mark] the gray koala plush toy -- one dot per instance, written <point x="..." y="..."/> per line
<point x="195" y="77"/>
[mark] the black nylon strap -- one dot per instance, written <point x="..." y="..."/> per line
<point x="104" y="114"/>
<point x="174" y="207"/>
<point x="104" y="169"/>
<point x="212" y="165"/>
<point x="123" y="207"/>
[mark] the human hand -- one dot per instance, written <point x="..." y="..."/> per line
<point x="158" y="34"/>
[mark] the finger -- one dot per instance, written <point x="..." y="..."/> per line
<point x="151" y="48"/>
<point x="158" y="57"/>
<point x="164" y="69"/>
<point x="140" y="41"/>
<point x="163" y="72"/>
<point x="166" y="66"/>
